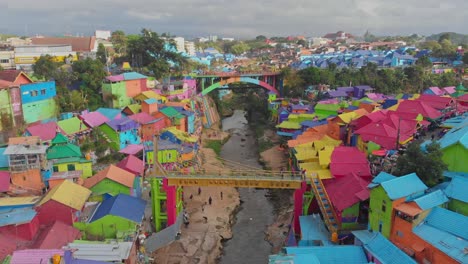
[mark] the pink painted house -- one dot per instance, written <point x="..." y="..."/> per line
<point x="149" y="125"/>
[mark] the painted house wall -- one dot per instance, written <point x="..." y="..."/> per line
<point x="39" y="110"/>
<point x="54" y="211"/>
<point x="119" y="90"/>
<point x="149" y="130"/>
<point x="112" y="135"/>
<point x="128" y="137"/>
<point x="458" y="206"/>
<point x="106" y="227"/>
<point x="135" y="87"/>
<point x="85" y="167"/>
<point x="149" y="108"/>
<point x="377" y="216"/>
<point x="164" y="156"/>
<point x="191" y="124"/>
<point x="39" y="91"/>
<point x="25" y="231"/>
<point x="451" y="156"/>
<point x="6" y="108"/>
<point x="30" y="179"/>
<point x="349" y="217"/>
<point x="107" y="186"/>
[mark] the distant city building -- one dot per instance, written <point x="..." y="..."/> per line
<point x="213" y="38"/>
<point x="102" y="34"/>
<point x="78" y="44"/>
<point x="7" y="59"/>
<point x="340" y="35"/>
<point x="228" y="39"/>
<point x="180" y="44"/>
<point x="202" y="39"/>
<point x="26" y="56"/>
<point x="190" y="48"/>
<point x="318" y="41"/>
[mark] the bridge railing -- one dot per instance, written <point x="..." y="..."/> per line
<point x="237" y="73"/>
<point x="239" y="174"/>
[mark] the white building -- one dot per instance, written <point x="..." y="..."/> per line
<point x="318" y="41"/>
<point x="7" y="59"/>
<point x="227" y="39"/>
<point x="26" y="56"/>
<point x="213" y="38"/>
<point x="180" y="44"/>
<point x="190" y="48"/>
<point x="102" y="34"/>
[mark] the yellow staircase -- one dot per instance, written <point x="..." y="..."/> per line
<point x="326" y="207"/>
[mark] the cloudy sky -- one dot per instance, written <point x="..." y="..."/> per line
<point x="234" y="18"/>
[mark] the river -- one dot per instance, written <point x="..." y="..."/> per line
<point x="256" y="212"/>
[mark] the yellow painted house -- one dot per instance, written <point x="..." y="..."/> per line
<point x="68" y="157"/>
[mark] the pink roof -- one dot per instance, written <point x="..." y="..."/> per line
<point x="116" y="78"/>
<point x="437" y="102"/>
<point x="131" y="149"/>
<point x="94" y="119"/>
<point x="376" y="96"/>
<point x="436" y="90"/>
<point x="56" y="236"/>
<point x="347" y="160"/>
<point x="418" y="107"/>
<point x="45" y="132"/>
<point x="142" y="118"/>
<point x="4" y="181"/>
<point x="29" y="256"/>
<point x="346" y="191"/>
<point x="132" y="164"/>
<point x="369" y="118"/>
<point x="449" y="89"/>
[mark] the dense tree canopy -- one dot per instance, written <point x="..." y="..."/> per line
<point x="90" y="73"/>
<point x="45" y="67"/>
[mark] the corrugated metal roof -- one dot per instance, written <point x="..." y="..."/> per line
<point x="94" y="119"/>
<point x="17" y="216"/>
<point x="110" y="113"/>
<point x="36" y="256"/>
<point x="403" y="186"/>
<point x="72" y="125"/>
<point x="133" y="76"/>
<point x="457" y="189"/>
<point x="112" y="252"/>
<point x="121" y="205"/>
<point x="113" y="173"/>
<point x="69" y="194"/>
<point x="22" y="149"/>
<point x="431" y="200"/>
<point x="313" y="228"/>
<point x="381" y="177"/>
<point x="3" y="159"/>
<point x="330" y="254"/>
<point x="63" y="151"/>
<point x="15" y="201"/>
<point x="381" y="248"/>
<point x="448" y="221"/>
<point x="458" y="134"/>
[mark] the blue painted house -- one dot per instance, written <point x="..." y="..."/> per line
<point x="38" y="101"/>
<point x="121" y="132"/>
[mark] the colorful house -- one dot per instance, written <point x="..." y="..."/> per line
<point x="67" y="157"/>
<point x="110" y="182"/>
<point x="349" y="160"/>
<point x="132" y="109"/>
<point x="177" y="119"/>
<point x="150" y="95"/>
<point x="117" y="217"/>
<point x="74" y="127"/>
<point x="386" y="193"/>
<point x="121" y="132"/>
<point x="179" y="137"/>
<point x="379" y="249"/>
<point x="10" y="96"/>
<point x="149" y="126"/>
<point x="93" y="119"/>
<point x="456" y="191"/>
<point x="133" y="165"/>
<point x="62" y="203"/>
<point x="168" y="153"/>
<point x="119" y="90"/>
<point x="20" y="222"/>
<point x="45" y="131"/>
<point x="454" y="146"/>
<point x="110" y="113"/>
<point x="150" y="106"/>
<point x="416" y="107"/>
<point x="38" y="101"/>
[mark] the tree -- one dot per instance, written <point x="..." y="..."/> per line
<point x="45" y="67"/>
<point x="239" y="48"/>
<point x="465" y="58"/>
<point x="90" y="73"/>
<point x="119" y="40"/>
<point x="101" y="53"/>
<point x="444" y="36"/>
<point x="427" y="165"/>
<point x="424" y="62"/>
<point x="1" y="68"/>
<point x="260" y="38"/>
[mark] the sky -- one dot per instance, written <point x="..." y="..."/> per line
<point x="239" y="19"/>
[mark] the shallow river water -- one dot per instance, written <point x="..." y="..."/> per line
<point x="248" y="245"/>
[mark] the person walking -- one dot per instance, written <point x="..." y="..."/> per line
<point x="282" y="173"/>
<point x="199" y="191"/>
<point x="210" y="200"/>
<point x="221" y="194"/>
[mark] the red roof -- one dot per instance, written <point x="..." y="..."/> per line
<point x="45" y="131"/>
<point x="142" y="118"/>
<point x="418" y="107"/>
<point x="369" y="118"/>
<point x="132" y="164"/>
<point x="348" y="160"/>
<point x="79" y="44"/>
<point x="4" y="181"/>
<point x="438" y="102"/>
<point x="346" y="191"/>
<point x="56" y="236"/>
<point x="12" y="75"/>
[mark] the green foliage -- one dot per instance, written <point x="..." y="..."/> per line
<point x="239" y="48"/>
<point x="90" y="73"/>
<point x="101" y="53"/>
<point x="260" y="38"/>
<point x="119" y="41"/>
<point x="45" y="67"/>
<point x="465" y="58"/>
<point x="427" y="165"/>
<point x="424" y="62"/>
<point x="453" y="37"/>
<point x="215" y="145"/>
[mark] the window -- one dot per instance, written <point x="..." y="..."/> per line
<point x="71" y="167"/>
<point x="43" y="91"/>
<point x="4" y="61"/>
<point x="384" y="207"/>
<point x="399" y="233"/>
<point x="34" y="93"/>
<point x="169" y="156"/>
<point x="55" y="168"/>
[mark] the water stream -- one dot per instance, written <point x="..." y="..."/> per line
<point x="248" y="245"/>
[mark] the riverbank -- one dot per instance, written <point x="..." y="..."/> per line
<point x="201" y="241"/>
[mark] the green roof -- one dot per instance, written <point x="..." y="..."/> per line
<point x="72" y="125"/>
<point x="63" y="151"/>
<point x="328" y="107"/>
<point x="59" y="139"/>
<point x="71" y="160"/>
<point x="171" y="112"/>
<point x="135" y="108"/>
<point x="460" y="87"/>
<point x="289" y="125"/>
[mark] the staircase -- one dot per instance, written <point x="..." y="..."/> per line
<point x="326" y="207"/>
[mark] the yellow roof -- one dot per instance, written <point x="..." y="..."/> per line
<point x="395" y="106"/>
<point x="314" y="167"/>
<point x="326" y="141"/>
<point x="182" y="135"/>
<point x="325" y="156"/>
<point x="12" y="201"/>
<point x="69" y="194"/>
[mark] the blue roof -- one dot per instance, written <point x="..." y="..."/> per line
<point x="381" y="248"/>
<point x="151" y="101"/>
<point x="458" y="134"/>
<point x="17" y="216"/>
<point x="3" y="159"/>
<point x="453" y="174"/>
<point x="403" y="186"/>
<point x="121" y="205"/>
<point x="329" y="254"/>
<point x="448" y="221"/>
<point x="431" y="200"/>
<point x="110" y="113"/>
<point x="133" y="76"/>
<point x="457" y="189"/>
<point x="446" y="231"/>
<point x="313" y="229"/>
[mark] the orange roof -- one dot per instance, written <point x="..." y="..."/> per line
<point x="24" y="140"/>
<point x="113" y="173"/>
<point x="79" y="44"/>
<point x="410" y="208"/>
